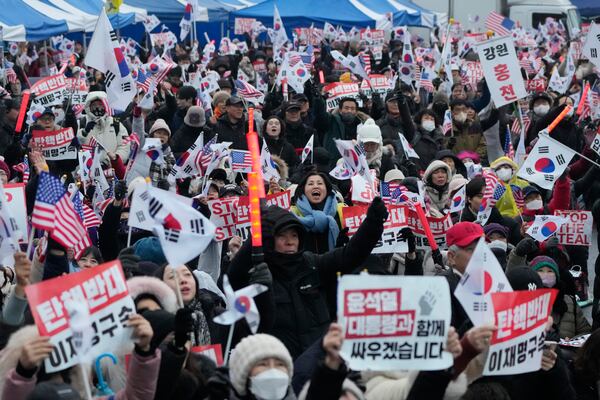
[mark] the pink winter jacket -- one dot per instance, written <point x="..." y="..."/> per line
<point x="141" y="381"/>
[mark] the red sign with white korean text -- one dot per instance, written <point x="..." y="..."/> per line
<point x="520" y="317"/>
<point x="104" y="290"/>
<point x="56" y="145"/>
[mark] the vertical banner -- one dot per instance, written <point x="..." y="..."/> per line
<point x="394" y="322"/>
<point x="517" y="345"/>
<point x="104" y="291"/>
<point x="501" y="70"/>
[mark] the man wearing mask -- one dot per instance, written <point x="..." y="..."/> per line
<point x="539" y="106"/>
<point x="296" y="131"/>
<point x="534" y="203"/>
<point x="339" y="124"/>
<point x="467" y="136"/>
<point x="506" y="171"/>
<point x="106" y="130"/>
<point x="397" y="118"/>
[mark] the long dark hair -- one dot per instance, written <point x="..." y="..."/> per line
<point x="300" y="189"/>
<point x="281" y="123"/>
<point x="94" y="252"/>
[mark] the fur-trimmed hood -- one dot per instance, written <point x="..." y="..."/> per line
<point x="282" y="167"/>
<point x="153" y="286"/>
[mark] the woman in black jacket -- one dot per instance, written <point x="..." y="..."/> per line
<point x="428" y="139"/>
<point x="302" y="280"/>
<point x="274" y="135"/>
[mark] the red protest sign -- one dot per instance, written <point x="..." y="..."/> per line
<point x="520" y="316"/>
<point x="104" y="290"/>
<point x="56" y="145"/>
<point x="212" y="351"/>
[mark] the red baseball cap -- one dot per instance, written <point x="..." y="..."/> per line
<point x="463" y="234"/>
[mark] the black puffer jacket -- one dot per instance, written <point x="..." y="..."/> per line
<point x="282" y="148"/>
<point x="183" y="138"/>
<point x="230" y="132"/>
<point x="302" y="281"/>
<point x="427" y="145"/>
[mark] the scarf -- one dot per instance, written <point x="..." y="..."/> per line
<point x="201" y="334"/>
<point x="320" y="221"/>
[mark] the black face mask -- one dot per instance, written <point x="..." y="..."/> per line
<point x="347" y="118"/>
<point x="393" y="121"/>
<point x="294" y="124"/>
<point x="98" y="112"/>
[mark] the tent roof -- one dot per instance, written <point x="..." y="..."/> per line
<point x="587" y="8"/>
<point x="22" y="22"/>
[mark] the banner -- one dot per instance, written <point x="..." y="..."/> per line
<point x="390" y="240"/>
<point x="501" y="70"/>
<point x="104" y="290"/>
<point x="15" y="203"/>
<point x="77" y="88"/>
<point x="56" y="145"/>
<point x="374" y="37"/>
<point x="243" y="25"/>
<point x="438" y="226"/>
<point x="578" y="230"/>
<point x="394" y="322"/>
<point x="595" y="145"/>
<point x="49" y="91"/>
<point x="516" y="346"/>
<point x="337" y="90"/>
<point x="378" y="84"/>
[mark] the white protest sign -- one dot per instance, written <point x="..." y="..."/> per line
<point x="517" y="345"/>
<point x="394" y="322"/>
<point x="223" y="215"/>
<point x="595" y="145"/>
<point x="501" y="70"/>
<point x="362" y="191"/>
<point x="578" y="229"/>
<point x="482" y="277"/>
<point x="15" y="204"/>
<point x="391" y="239"/>
<point x="105" y="291"/>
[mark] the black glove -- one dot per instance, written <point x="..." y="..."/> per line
<point x="184" y="324"/>
<point x="526" y="246"/>
<point x="377" y="210"/>
<point x="129" y="262"/>
<point x="342" y="238"/>
<point x="88" y="127"/>
<point x="408" y="235"/>
<point x="261" y="274"/>
<point x="552" y="243"/>
<point x="120" y="190"/>
<point x="451" y="142"/>
<point x="218" y="384"/>
<point x="90" y="192"/>
<point x="163" y="184"/>
<point x="436" y="255"/>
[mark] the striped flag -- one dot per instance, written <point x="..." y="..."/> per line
<point x="494" y="189"/>
<point x="509" y="151"/>
<point x="518" y="196"/>
<point x="248" y="92"/>
<point x="499" y="24"/>
<point x="395" y="193"/>
<point x="23" y="168"/>
<point x="426" y="80"/>
<point x="447" y="126"/>
<point x="86" y="214"/>
<point x="54" y="212"/>
<point x="366" y="59"/>
<point x="307" y="149"/>
<point x="203" y="157"/>
<point x="241" y="161"/>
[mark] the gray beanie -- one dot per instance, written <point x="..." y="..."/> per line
<point x="195" y="117"/>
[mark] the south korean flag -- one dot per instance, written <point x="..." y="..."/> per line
<point x="546" y="162"/>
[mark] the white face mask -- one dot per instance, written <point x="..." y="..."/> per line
<point x="271" y="384"/>
<point x="428" y="125"/>
<point x="469" y="164"/>
<point x="498" y="244"/>
<point x="504" y="174"/>
<point x="461" y="117"/>
<point x="541" y="110"/>
<point x="534" y="205"/>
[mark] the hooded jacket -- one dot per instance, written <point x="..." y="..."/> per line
<point x="507" y="204"/>
<point x="105" y="129"/>
<point x="427" y="144"/>
<point x="302" y="281"/>
<point x="435" y="197"/>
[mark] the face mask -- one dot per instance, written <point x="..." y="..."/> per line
<point x="469" y="164"/>
<point x="541" y="110"/>
<point x="393" y="121"/>
<point x="461" y="117"/>
<point x="428" y="125"/>
<point x="549" y="280"/>
<point x="347" y="117"/>
<point x="534" y="205"/>
<point x="271" y="384"/>
<point x="498" y="244"/>
<point x="98" y="112"/>
<point x="295" y="124"/>
<point x="504" y="174"/>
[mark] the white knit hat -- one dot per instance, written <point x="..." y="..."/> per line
<point x="160" y="124"/>
<point x="251" y="350"/>
<point x="369" y="132"/>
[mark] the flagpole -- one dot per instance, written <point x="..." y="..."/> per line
<point x="129" y="237"/>
<point x="228" y="346"/>
<point x="570" y="149"/>
<point x="30" y="241"/>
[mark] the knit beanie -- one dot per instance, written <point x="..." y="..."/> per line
<point x="149" y="249"/>
<point x="523" y="278"/>
<point x="251" y="350"/>
<point x="195" y="117"/>
<point x="544" y="261"/>
<point x="220" y="97"/>
<point x="160" y="124"/>
<point x="369" y="132"/>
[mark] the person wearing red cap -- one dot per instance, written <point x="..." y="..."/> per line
<point x="461" y="239"/>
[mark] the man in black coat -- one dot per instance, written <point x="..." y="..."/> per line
<point x="232" y="125"/>
<point x="302" y="280"/>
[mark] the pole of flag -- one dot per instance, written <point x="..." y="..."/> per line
<point x="570" y="149"/>
<point x="23" y="110"/>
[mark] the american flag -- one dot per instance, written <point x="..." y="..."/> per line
<point x="23" y="168"/>
<point x="248" y="92"/>
<point x="499" y="24"/>
<point x="426" y="82"/>
<point x="100" y="206"/>
<point x="241" y="161"/>
<point x="54" y="211"/>
<point x="366" y="59"/>
<point x="91" y="145"/>
<point x="447" y="126"/>
<point x="393" y="193"/>
<point x="493" y="189"/>
<point x="86" y="214"/>
<point x="203" y="157"/>
<point x="509" y="151"/>
<point x="518" y="196"/>
<point x="516" y="125"/>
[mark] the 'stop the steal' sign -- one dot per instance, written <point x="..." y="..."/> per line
<point x="104" y="290"/>
<point x="394" y="322"/>
<point x="501" y="70"/>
